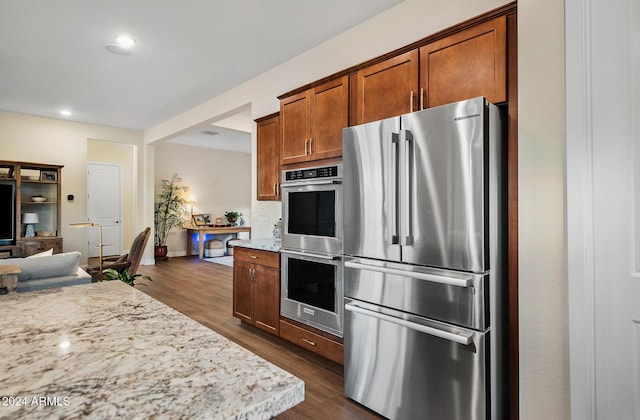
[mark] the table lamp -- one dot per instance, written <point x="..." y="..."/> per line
<point x="191" y="200"/>
<point x="30" y="219"/>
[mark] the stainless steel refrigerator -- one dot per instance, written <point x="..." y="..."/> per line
<point x="424" y="285"/>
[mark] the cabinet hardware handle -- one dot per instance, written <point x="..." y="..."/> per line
<point x="311" y="146"/>
<point x="253" y="256"/>
<point x="411" y="102"/>
<point x="275" y="188"/>
<point x="311" y="343"/>
<point x="306" y="146"/>
<point x="421" y="98"/>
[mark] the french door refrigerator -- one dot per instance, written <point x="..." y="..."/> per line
<point x="424" y="286"/>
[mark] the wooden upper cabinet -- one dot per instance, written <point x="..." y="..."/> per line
<point x="330" y="114"/>
<point x="387" y="89"/>
<point x="268" y="159"/>
<point x="311" y="122"/>
<point x="295" y="131"/>
<point x="464" y="65"/>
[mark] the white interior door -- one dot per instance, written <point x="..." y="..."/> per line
<point x="603" y="207"/>
<point x="104" y="208"/>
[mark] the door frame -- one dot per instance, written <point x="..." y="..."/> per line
<point x="584" y="78"/>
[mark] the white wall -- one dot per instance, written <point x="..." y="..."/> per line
<point x="44" y="140"/>
<point x="544" y="367"/>
<point x="220" y="180"/>
<point x="543" y="285"/>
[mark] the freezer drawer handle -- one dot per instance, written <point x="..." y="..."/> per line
<point x="460" y="338"/>
<point x="422" y="276"/>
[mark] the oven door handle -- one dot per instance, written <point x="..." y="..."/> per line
<point x="452" y="281"/>
<point x="312" y="255"/>
<point x="462" y="337"/>
<point x="311" y="182"/>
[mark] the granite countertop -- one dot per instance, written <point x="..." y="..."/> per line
<point x="107" y="350"/>
<point x="266" y="244"/>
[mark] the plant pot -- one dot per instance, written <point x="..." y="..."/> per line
<point x="160" y="252"/>
<point x="232" y="220"/>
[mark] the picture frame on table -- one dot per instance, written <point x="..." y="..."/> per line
<point x="48" y="176"/>
<point x="198" y="220"/>
<point x="207" y="219"/>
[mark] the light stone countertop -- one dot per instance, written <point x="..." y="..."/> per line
<point x="106" y="350"/>
<point x="266" y="244"/>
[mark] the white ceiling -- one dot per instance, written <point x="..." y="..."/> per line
<point x="53" y="53"/>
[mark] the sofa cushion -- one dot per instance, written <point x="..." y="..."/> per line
<point x="65" y="264"/>
<point x="80" y="277"/>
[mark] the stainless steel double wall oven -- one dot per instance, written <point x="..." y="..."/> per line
<point x="311" y="260"/>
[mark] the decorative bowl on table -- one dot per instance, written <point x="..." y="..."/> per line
<point x="45" y="233"/>
<point x="38" y="199"/>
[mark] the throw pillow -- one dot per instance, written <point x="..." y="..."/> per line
<point x="42" y="254"/>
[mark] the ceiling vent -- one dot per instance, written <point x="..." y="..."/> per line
<point x="209" y="132"/>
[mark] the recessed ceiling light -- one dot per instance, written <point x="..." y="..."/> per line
<point x="125" y="41"/>
<point x="123" y="46"/>
<point x="65" y="113"/>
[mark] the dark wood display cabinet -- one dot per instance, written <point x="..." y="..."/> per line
<point x="32" y="210"/>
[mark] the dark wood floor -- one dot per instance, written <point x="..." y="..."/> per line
<point x="202" y="291"/>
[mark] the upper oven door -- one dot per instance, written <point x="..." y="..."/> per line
<point x="312" y="215"/>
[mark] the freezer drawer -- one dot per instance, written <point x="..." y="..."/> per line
<point x="449" y="296"/>
<point x="408" y="367"/>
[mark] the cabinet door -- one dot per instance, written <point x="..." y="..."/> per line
<point x="465" y="65"/>
<point x="243" y="291"/>
<point x="295" y="128"/>
<point x="387" y="89"/>
<point x="329" y="115"/>
<point x="268" y="159"/>
<point x="30" y="247"/>
<point x="267" y="297"/>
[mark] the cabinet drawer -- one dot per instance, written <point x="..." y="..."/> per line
<point x="316" y="343"/>
<point x="256" y="256"/>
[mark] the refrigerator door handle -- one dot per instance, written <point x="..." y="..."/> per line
<point x="464" y="338"/>
<point x="406" y="152"/>
<point x="451" y="281"/>
<point x="392" y="190"/>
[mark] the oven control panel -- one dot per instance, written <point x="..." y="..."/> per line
<point x="312" y="173"/>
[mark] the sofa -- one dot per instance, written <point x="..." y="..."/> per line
<point x="41" y="272"/>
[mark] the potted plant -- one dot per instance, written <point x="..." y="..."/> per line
<point x="232" y="216"/>
<point x="169" y="212"/>
<point x="111" y="274"/>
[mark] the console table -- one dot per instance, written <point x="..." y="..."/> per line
<point x="9" y="277"/>
<point x="203" y="230"/>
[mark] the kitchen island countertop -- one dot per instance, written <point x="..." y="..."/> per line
<point x="107" y="350"/>
<point x="265" y="244"/>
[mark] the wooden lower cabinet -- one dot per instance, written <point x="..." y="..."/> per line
<point x="256" y="288"/>
<point x="30" y="246"/>
<point x="317" y="342"/>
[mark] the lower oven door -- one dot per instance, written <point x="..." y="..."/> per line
<point x="408" y="367"/>
<point x="312" y="289"/>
